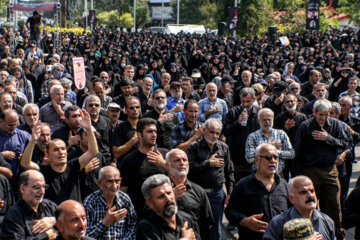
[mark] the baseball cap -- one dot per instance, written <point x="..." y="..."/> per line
<point x="279" y="87"/>
<point x="174" y="84"/>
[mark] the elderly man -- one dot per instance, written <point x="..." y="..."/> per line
<point x="114" y="218"/>
<point x="71" y="221"/>
<point x="212" y="106"/>
<point x="237" y="132"/>
<point x="267" y="134"/>
<point x="62" y="175"/>
<point x="257" y="198"/>
<point x="303" y="198"/>
<point x="113" y="113"/>
<point x="319" y="148"/>
<point x="39" y="153"/>
<point x="32" y="217"/>
<point x="53" y="112"/>
<point x="145" y="96"/>
<point x="12" y="140"/>
<point x="31" y="117"/>
<point x="211" y="167"/>
<point x="175" y="103"/>
<point x="192" y="198"/>
<point x="165" y="221"/>
<point x="295" y="89"/>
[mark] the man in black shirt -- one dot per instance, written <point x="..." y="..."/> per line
<point x="31" y="116"/>
<point x="124" y="138"/>
<point x="237" y="133"/>
<point x="42" y="143"/>
<point x="211" y="167"/>
<point x="289" y="121"/>
<point x="6" y="197"/>
<point x="32" y="217"/>
<point x="258" y="198"/>
<point x="307" y="87"/>
<point x="62" y="175"/>
<point x="35" y="23"/>
<point x="320" y="142"/>
<point x="136" y="166"/>
<point x="164" y="221"/>
<point x="192" y="198"/>
<point x="166" y="120"/>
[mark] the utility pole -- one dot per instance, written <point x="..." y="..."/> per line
<point x="134" y="15"/>
<point x="162" y="13"/>
<point x="178" y="13"/>
<point x="86" y="14"/>
<point x="92" y="8"/>
<point x="235" y="5"/>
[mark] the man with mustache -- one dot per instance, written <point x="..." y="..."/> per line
<point x="267" y="134"/>
<point x="71" y="221"/>
<point x="257" y="198"/>
<point x="191" y="198"/>
<point x="303" y="198"/>
<point x="32" y="217"/>
<point x="165" y="221"/>
<point x="39" y="155"/>
<point x="115" y="217"/>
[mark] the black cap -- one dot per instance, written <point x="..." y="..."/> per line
<point x="227" y="78"/>
<point x="174" y="84"/>
<point x="279" y="87"/>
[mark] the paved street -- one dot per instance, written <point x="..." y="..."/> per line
<point x="349" y="233"/>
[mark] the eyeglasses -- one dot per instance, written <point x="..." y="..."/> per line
<point x="38" y="187"/>
<point x="158" y="98"/>
<point x="292" y="89"/>
<point x="270" y="157"/>
<point x="134" y="107"/>
<point x="117" y="181"/>
<point x="94" y="105"/>
<point x="104" y="77"/>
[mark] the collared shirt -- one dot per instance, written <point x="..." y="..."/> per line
<point x="182" y="132"/>
<point x="250" y="197"/>
<point x="354" y="112"/>
<point x="96" y="209"/>
<point x="204" y="106"/>
<point x="15" y="142"/>
<point x="121" y="135"/>
<point x="281" y="119"/>
<point x="20" y="219"/>
<point x="196" y="203"/>
<point x="104" y="130"/>
<point x="154" y="227"/>
<point x="315" y="153"/>
<point x="238" y="133"/>
<point x="202" y="173"/>
<point x="6" y="195"/>
<point x="171" y="103"/>
<point x="49" y="115"/>
<point x="321" y="223"/>
<point x="257" y="138"/>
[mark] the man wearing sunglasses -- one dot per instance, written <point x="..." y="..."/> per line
<point x="32" y="217"/>
<point x="257" y="198"/>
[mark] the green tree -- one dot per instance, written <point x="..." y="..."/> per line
<point x="190" y="12"/>
<point x="126" y="20"/>
<point x="209" y="15"/>
<point x="111" y="18"/>
<point x="3" y="4"/>
<point x="142" y="13"/>
<point x="351" y="8"/>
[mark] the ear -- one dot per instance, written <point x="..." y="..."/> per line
<point x="291" y="199"/>
<point x="60" y="225"/>
<point x="22" y="188"/>
<point x="139" y="135"/>
<point x="98" y="182"/>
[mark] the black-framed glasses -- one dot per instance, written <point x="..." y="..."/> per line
<point x="158" y="98"/>
<point x="269" y="157"/>
<point x="38" y="187"/>
<point x="94" y="105"/>
<point x="134" y="107"/>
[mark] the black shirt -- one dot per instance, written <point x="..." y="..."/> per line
<point x="314" y="153"/>
<point x="134" y="169"/>
<point x="6" y="195"/>
<point x="103" y="134"/>
<point x="276" y="108"/>
<point x="164" y="129"/>
<point x="200" y="171"/>
<point x="20" y="219"/>
<point x="154" y="227"/>
<point x="196" y="203"/>
<point x="25" y="127"/>
<point x="144" y="103"/>
<point x="238" y="134"/>
<point x="65" y="185"/>
<point x="38" y="155"/>
<point x="63" y="134"/>
<point x="280" y="120"/>
<point x="351" y="214"/>
<point x="250" y="197"/>
<point x="307" y="89"/>
<point x="121" y="135"/>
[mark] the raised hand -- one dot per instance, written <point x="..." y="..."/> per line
<point x="85" y="120"/>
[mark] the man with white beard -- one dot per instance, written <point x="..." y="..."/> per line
<point x="289" y="121"/>
<point x="267" y="134"/>
<point x="211" y="167"/>
<point x="175" y="103"/>
<point x="259" y="197"/>
<point x="192" y="198"/>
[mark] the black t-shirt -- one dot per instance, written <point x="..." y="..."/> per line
<point x="134" y="169"/>
<point x="33" y="21"/>
<point x="65" y="185"/>
<point x="121" y="135"/>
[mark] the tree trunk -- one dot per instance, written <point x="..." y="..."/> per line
<point x="63" y="13"/>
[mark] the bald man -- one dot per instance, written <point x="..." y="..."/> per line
<point x="71" y="221"/>
<point x="32" y="217"/>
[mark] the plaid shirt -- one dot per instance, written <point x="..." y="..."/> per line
<point x="96" y="209"/>
<point x="354" y="111"/>
<point x="182" y="132"/>
<point x="258" y="137"/>
<point x="204" y="106"/>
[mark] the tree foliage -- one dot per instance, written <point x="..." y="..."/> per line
<point x="190" y="12"/>
<point x="110" y="18"/>
<point x="142" y="13"/>
<point x="351" y="8"/>
<point x="126" y="20"/>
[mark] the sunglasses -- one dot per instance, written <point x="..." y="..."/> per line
<point x="292" y="89"/>
<point x="269" y="157"/>
<point x="94" y="105"/>
<point x="134" y="107"/>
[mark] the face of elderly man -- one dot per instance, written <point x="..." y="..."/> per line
<point x="267" y="161"/>
<point x="302" y="195"/>
<point x="266" y="121"/>
<point x="163" y="201"/>
<point x="178" y="164"/>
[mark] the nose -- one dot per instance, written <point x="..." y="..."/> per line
<point x="82" y="222"/>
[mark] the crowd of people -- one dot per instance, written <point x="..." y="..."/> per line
<point x="171" y="132"/>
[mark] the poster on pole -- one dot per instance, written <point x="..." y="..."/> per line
<point x="313" y="15"/>
<point x="79" y="72"/>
